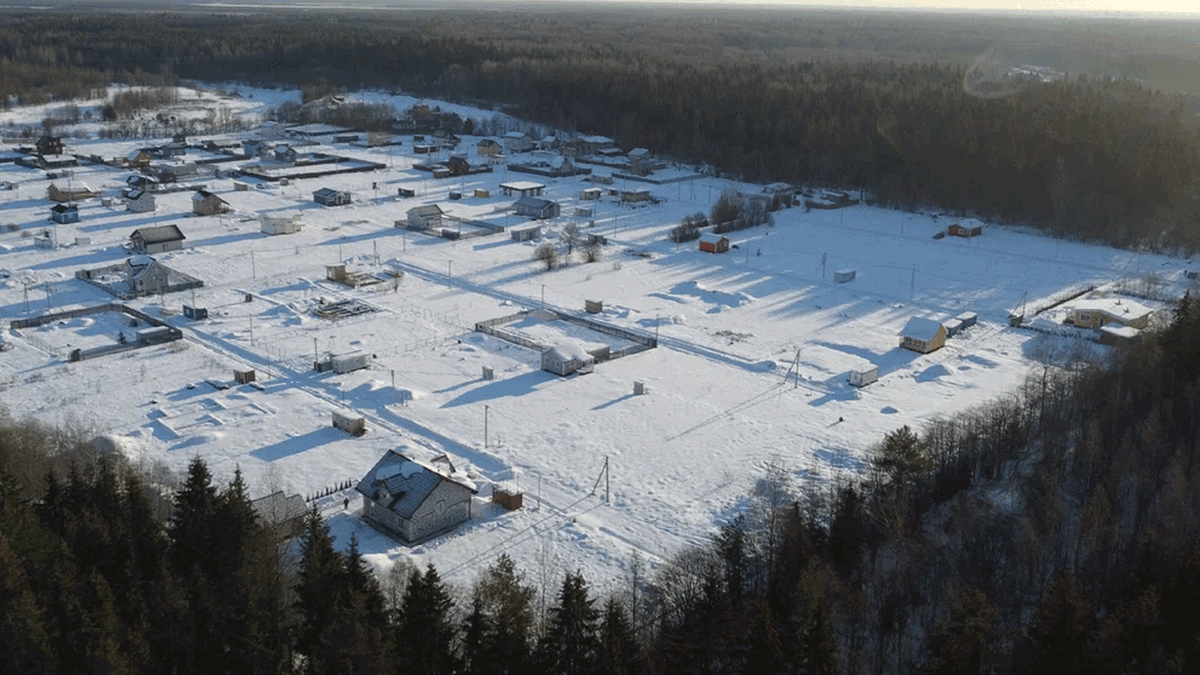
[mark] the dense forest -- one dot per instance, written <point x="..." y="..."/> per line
<point x="814" y="100"/>
<point x="1054" y="530"/>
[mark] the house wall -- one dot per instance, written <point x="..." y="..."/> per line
<point x="448" y="505"/>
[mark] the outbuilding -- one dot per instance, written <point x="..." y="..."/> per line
<point x="205" y="203"/>
<point x="280" y="224"/>
<point x="923" y="335"/>
<point x="714" y="243"/>
<point x="64" y="213"/>
<point x="536" y="208"/>
<point x="411" y="500"/>
<point x="138" y="200"/>
<point x="861" y="378"/>
<point x="347" y="363"/>
<point x="526" y="233"/>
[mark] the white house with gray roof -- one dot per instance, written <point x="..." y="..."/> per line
<point x="412" y="500"/>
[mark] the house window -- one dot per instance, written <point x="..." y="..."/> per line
<point x="1085" y="318"/>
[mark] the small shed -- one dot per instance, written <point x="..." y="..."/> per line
<point x="842" y="276"/>
<point x="280" y="224"/>
<point x="1119" y="335"/>
<point x="634" y="195"/>
<point x="411" y="500"/>
<point x="488" y="147"/>
<point x="923" y="335"/>
<point x="593" y="306"/>
<point x="351" y="362"/>
<point x="526" y="233"/>
<point x="861" y="378"/>
<point x="968" y="319"/>
<point x="425" y="217"/>
<point x="74" y="192"/>
<point x="714" y="243"/>
<point x="522" y="188"/>
<point x="64" y="213"/>
<point x="640" y="162"/>
<point x="355" y="425"/>
<point x="331" y="197"/>
<point x="245" y="376"/>
<point x="406" y="192"/>
<point x="157" y="239"/>
<point x="536" y="208"/>
<point x="482" y="194"/>
<point x="510" y="501"/>
<point x="567" y="357"/>
<point x="953" y="327"/>
<point x="591" y="193"/>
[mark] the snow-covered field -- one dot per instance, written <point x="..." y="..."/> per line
<point x="720" y="411"/>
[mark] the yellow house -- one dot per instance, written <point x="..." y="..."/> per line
<point x="923" y="335"/>
<point x="1100" y="312"/>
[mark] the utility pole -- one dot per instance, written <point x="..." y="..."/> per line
<point x="485" y="426"/>
<point x="823" y="258"/>
<point x="607" y="491"/>
<point x="314" y="352"/>
<point x="251" y="329"/>
<point x="393" y="386"/>
<point x="449" y="268"/>
<point x="912" y="284"/>
<point x="253" y="269"/>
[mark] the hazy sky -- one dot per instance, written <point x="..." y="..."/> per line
<point x="1174" y="6"/>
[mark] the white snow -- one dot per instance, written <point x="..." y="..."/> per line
<point x="750" y="371"/>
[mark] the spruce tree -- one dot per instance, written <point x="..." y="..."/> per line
<point x="318" y="594"/>
<point x="425" y="634"/>
<point x="619" y="652"/>
<point x="26" y="646"/>
<point x="571" y="643"/>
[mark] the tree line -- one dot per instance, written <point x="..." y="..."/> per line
<point x="1053" y="530"/>
<point x="1089" y="158"/>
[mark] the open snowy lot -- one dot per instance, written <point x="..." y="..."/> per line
<point x="750" y="371"/>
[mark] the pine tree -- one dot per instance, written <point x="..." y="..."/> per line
<point x="425" y="635"/>
<point x="571" y="644"/>
<point x="619" y="652"/>
<point x="192" y="531"/>
<point x="318" y="594"/>
<point x="507" y="604"/>
<point x="26" y="646"/>
<point x="965" y="643"/>
<point x="1058" y="637"/>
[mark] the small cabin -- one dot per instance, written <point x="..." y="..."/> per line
<point x="425" y="217"/>
<point x="566" y="358"/>
<point x="157" y="239"/>
<point x="861" y="378"/>
<point x="205" y="203"/>
<point x="347" y="363"/>
<point x="923" y="335"/>
<point x="64" y="213"/>
<point x="714" y="243"/>
<point x="842" y="276"/>
<point x="355" y="425"/>
<point x="331" y="197"/>
<point x="273" y="225"/>
<point x="138" y="200"/>
<point x="526" y="234"/>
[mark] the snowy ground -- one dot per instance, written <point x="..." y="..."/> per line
<point x="720" y="408"/>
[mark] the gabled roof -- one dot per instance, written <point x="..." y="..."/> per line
<point x="158" y="234"/>
<point x="637" y="153"/>
<point x="921" y="328"/>
<point x="488" y="142"/>
<point x="427" y="210"/>
<point x="529" y="202"/>
<point x="1124" y="309"/>
<point x="202" y="195"/>
<point x="404" y="483"/>
<point x="713" y="238"/>
<point x="326" y="192"/>
<point x="63" y="208"/>
<point x="134" y="154"/>
<point x="136" y="194"/>
<point x="277" y="507"/>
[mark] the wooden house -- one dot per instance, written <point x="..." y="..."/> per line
<point x="74" y="192"/>
<point x="157" y="239"/>
<point x="281" y="514"/>
<point x="139" y="201"/>
<point x="331" y="197"/>
<point x="458" y="165"/>
<point x="286" y="154"/>
<point x="923" y="335"/>
<point x="1100" y="312"/>
<point x="205" y="203"/>
<point x="536" y="208"/>
<point x="64" y="213"/>
<point x="714" y="243"/>
<point x="50" y="145"/>
<point x="1119" y="335"/>
<point x="488" y="147"/>
<point x="425" y="217"/>
<point x="411" y="500"/>
<point x="138" y="159"/>
<point x="445" y="138"/>
<point x="517" y="141"/>
<point x="146" y="276"/>
<point x="635" y="195"/>
<point x="567" y="357"/>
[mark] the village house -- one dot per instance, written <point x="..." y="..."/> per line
<point x="139" y="201"/>
<point x="50" y="145"/>
<point x="331" y="197"/>
<point x="458" y="165"/>
<point x="636" y="195"/>
<point x="444" y="138"/>
<point x="536" y="208"/>
<point x="146" y="276"/>
<point x="425" y="217"/>
<point x="205" y="203"/>
<point x="640" y="162"/>
<point x="157" y="239"/>
<point x="411" y="500"/>
<point x="282" y="514"/>
<point x="138" y="159"/>
<point x="64" y="213"/>
<point x="488" y="147"/>
<point x="522" y="188"/>
<point x="782" y="194"/>
<point x="139" y="181"/>
<point x="517" y="141"/>
<point x="923" y="335"/>
<point x="526" y="233"/>
<point x="74" y="192"/>
<point x="1100" y="312"/>
<point x="286" y="154"/>
<point x="567" y="357"/>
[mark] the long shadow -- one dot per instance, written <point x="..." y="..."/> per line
<point x="88" y="260"/>
<point x="613" y="402"/>
<point x="514" y="386"/>
<point x="133" y="224"/>
<point x="227" y="238"/>
<point x="298" y="444"/>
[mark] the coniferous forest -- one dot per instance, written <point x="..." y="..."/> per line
<point x="1054" y="530"/>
